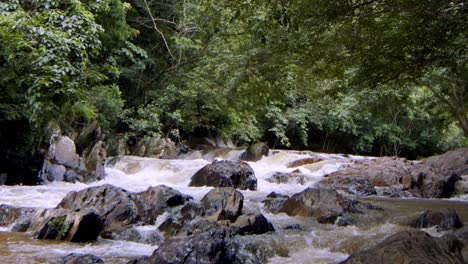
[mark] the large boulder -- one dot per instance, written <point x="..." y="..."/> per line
<point x="446" y="219"/>
<point x="381" y="172"/>
<point x="225" y="203"/>
<point x="411" y="247"/>
<point x="225" y="173"/>
<point x="80" y="226"/>
<point x="157" y="200"/>
<point x="321" y="203"/>
<point x="214" y="246"/>
<point x="432" y="182"/>
<point x="435" y="177"/>
<point x="359" y="186"/>
<point x="453" y="162"/>
<point x="118" y="206"/>
<point x="255" y="152"/>
<point x="63" y="162"/>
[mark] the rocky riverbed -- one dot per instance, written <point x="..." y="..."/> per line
<point x="285" y="207"/>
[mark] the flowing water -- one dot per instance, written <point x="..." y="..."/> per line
<point x="312" y="243"/>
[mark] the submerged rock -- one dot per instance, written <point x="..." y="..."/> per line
<point x="302" y="162"/>
<point x="9" y="214"/>
<point x="446" y="219"/>
<point x="411" y="247"/>
<point x="255" y="152"/>
<point x="225" y="173"/>
<point x="294" y="177"/>
<point x="274" y="201"/>
<point x="393" y="192"/>
<point x="214" y="246"/>
<point x="80" y="259"/>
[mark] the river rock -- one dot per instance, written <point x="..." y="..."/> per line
<point x="214" y="246"/>
<point x="81" y="226"/>
<point x="434" y="182"/>
<point x="225" y="203"/>
<point x="435" y="177"/>
<point x="445" y="219"/>
<point x="453" y="162"/>
<point x="393" y="192"/>
<point x="411" y="247"/>
<point x="94" y="159"/>
<point x="80" y="259"/>
<point x="294" y="177"/>
<point x="63" y="163"/>
<point x="137" y="235"/>
<point x="359" y="186"/>
<point x="381" y="172"/>
<point x="226" y="173"/>
<point x="302" y="162"/>
<point x="185" y="221"/>
<point x="118" y="206"/>
<point x="249" y="224"/>
<point x="9" y="214"/>
<point x="157" y="200"/>
<point x="255" y="152"/>
<point x="319" y="203"/>
<point x="274" y="202"/>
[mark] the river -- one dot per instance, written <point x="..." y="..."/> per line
<point x="313" y="243"/>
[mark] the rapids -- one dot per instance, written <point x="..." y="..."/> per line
<point x="313" y="243"/>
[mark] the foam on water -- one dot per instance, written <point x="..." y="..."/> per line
<point x="314" y="243"/>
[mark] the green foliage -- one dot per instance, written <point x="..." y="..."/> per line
<point x="143" y="121"/>
<point x="375" y="77"/>
<point x="58" y="224"/>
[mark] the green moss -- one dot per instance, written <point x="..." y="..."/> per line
<point x="58" y="223"/>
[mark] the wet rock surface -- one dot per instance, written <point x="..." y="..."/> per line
<point x="214" y="246"/>
<point x="411" y="247"/>
<point x="81" y="226"/>
<point x="447" y="219"/>
<point x="63" y="163"/>
<point x="435" y="177"/>
<point x="225" y="173"/>
<point x="255" y="152"/>
<point x="302" y="162"/>
<point x="225" y="203"/>
<point x="292" y="177"/>
<point x="359" y="186"/>
<point x="80" y="259"/>
<point x="118" y="206"/>
<point x="9" y="214"/>
<point x="157" y="200"/>
<point x="319" y="203"/>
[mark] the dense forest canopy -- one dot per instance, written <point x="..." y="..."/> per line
<point x="380" y="77"/>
